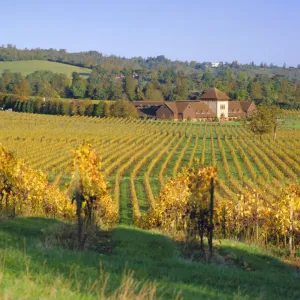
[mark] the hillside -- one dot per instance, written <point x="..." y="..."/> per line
<point x="27" y="67"/>
<point x="38" y="269"/>
<point x="136" y="78"/>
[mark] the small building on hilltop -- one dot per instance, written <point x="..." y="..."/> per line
<point x="213" y="103"/>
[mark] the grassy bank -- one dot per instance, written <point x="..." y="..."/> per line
<point x="30" y="268"/>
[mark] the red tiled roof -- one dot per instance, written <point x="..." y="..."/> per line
<point x="202" y="109"/>
<point x="181" y="106"/>
<point x="214" y="94"/>
<point x="172" y="106"/>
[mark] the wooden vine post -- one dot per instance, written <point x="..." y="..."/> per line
<point x="291" y="248"/>
<point x="211" y="219"/>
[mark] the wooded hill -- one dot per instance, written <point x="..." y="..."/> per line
<point x="154" y="78"/>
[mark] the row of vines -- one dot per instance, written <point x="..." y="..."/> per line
<point x="138" y="156"/>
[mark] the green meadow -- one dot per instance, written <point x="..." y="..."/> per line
<point x="26" y="67"/>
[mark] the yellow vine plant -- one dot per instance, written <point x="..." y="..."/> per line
<point x="25" y="192"/>
<point x="183" y="201"/>
<point x="91" y="187"/>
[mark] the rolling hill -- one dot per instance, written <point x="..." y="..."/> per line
<point x="29" y="66"/>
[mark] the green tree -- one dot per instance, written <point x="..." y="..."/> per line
<point x="242" y="94"/>
<point x="297" y="95"/>
<point x="123" y="109"/>
<point x="265" y="120"/>
<point x="130" y="87"/>
<point x="45" y="90"/>
<point x="79" y="86"/>
<point x="242" y="80"/>
<point x="208" y="79"/>
<point x="21" y="86"/>
<point x="100" y="109"/>
<point x="61" y="84"/>
<point x="139" y="94"/>
<point x="115" y="89"/>
<point x="6" y="82"/>
<point x="181" y="88"/>
<point x="255" y="90"/>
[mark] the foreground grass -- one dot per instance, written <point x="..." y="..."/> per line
<point x="30" y="269"/>
<point x="26" y="67"/>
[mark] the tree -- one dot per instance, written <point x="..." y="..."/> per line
<point x="242" y="80"/>
<point x="65" y="107"/>
<point x="115" y="89"/>
<point x="168" y="90"/>
<point x="21" y="87"/>
<point x="106" y="110"/>
<point x="45" y="90"/>
<point x="100" y="109"/>
<point x="255" y="90"/>
<point x="6" y="81"/>
<point x="130" y="87"/>
<point x="297" y="95"/>
<point x="242" y="94"/>
<point x="78" y="87"/>
<point x="139" y="94"/>
<point x="208" y="79"/>
<point x="265" y="120"/>
<point x="148" y="90"/>
<point x="181" y="88"/>
<point x="61" y="84"/>
<point x="123" y="109"/>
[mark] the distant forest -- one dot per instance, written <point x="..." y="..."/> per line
<point x="154" y="78"/>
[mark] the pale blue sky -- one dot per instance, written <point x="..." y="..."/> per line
<point x="215" y="30"/>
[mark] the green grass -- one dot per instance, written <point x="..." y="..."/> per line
<point x="293" y="123"/>
<point x="26" y="67"/>
<point x="30" y="269"/>
<point x="125" y="204"/>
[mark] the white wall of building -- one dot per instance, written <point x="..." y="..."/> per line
<point x="222" y="109"/>
<point x="215" y="64"/>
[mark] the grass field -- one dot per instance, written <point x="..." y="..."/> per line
<point x="26" y="67"/>
<point x="31" y="269"/>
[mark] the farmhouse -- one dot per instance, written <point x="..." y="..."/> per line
<point x="185" y="110"/>
<point x="212" y="104"/>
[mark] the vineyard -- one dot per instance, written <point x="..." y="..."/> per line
<point x="138" y="156"/>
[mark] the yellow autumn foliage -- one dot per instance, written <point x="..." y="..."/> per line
<point x="25" y="192"/>
<point x="187" y="192"/>
<point x="259" y="216"/>
<point x="93" y="188"/>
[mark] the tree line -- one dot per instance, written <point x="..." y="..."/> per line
<point x="120" y="109"/>
<point x="156" y="86"/>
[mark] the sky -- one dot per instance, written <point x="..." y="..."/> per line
<point x="186" y="30"/>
